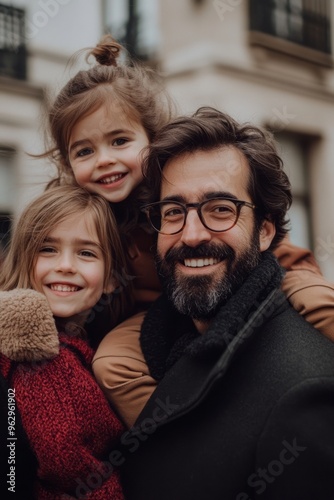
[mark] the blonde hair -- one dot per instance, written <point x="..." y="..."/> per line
<point x="136" y="89"/>
<point x="36" y="222"/>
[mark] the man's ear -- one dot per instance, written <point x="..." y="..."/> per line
<point x="267" y="233"/>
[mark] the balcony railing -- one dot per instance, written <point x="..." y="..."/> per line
<point x="12" y="42"/>
<point x="303" y="22"/>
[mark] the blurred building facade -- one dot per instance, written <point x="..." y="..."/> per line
<point x="265" y="61"/>
<point x="37" y="38"/>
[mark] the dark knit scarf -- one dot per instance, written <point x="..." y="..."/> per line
<point x="166" y="334"/>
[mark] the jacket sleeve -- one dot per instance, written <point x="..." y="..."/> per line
<point x="313" y="297"/>
<point x="295" y="455"/>
<point x="305" y="287"/>
<point x="292" y="257"/>
<point x="121" y="371"/>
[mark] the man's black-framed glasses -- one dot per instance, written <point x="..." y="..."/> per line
<point x="216" y="214"/>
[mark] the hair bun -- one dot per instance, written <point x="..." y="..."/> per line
<point x="106" y="51"/>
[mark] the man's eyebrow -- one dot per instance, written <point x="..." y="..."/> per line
<point x="219" y="194"/>
<point x="205" y="196"/>
<point x="177" y="198"/>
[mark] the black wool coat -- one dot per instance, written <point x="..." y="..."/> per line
<point x="254" y="422"/>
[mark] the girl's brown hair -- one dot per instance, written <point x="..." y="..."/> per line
<point x="36" y="222"/>
<point x="136" y="89"/>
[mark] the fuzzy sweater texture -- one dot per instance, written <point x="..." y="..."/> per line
<point x="69" y="423"/>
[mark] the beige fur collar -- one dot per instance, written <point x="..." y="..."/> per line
<point x="27" y="327"/>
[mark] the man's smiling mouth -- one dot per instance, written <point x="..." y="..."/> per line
<point x="208" y="261"/>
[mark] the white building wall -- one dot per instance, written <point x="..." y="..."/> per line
<point x="56" y="29"/>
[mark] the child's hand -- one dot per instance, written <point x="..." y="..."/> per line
<point x="27" y="328"/>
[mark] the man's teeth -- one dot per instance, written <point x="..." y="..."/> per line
<point x="64" y="288"/>
<point x="112" y="178"/>
<point x="200" y="262"/>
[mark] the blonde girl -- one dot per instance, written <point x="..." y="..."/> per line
<point x="60" y="271"/>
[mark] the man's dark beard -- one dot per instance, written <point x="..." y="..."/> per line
<point x="200" y="297"/>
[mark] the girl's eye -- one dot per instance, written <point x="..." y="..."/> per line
<point x="120" y="141"/>
<point x="87" y="253"/>
<point x="47" y="250"/>
<point x="84" y="152"/>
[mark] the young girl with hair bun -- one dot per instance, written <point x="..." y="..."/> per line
<point x="61" y="269"/>
<point x="100" y="125"/>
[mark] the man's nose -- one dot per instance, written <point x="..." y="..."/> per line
<point x="194" y="232"/>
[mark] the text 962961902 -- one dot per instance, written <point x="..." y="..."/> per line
<point x="11" y="440"/>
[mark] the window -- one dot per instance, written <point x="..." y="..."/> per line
<point x="293" y="149"/>
<point x="133" y="23"/>
<point x="298" y="27"/>
<point x="12" y="46"/>
<point x="7" y="193"/>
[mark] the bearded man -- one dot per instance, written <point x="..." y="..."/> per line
<point x="244" y="408"/>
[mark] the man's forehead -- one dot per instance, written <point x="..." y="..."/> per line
<point x="220" y="170"/>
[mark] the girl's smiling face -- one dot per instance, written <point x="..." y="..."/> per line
<point x="105" y="153"/>
<point x="69" y="268"/>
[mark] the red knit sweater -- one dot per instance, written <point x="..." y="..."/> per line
<point x="69" y="424"/>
